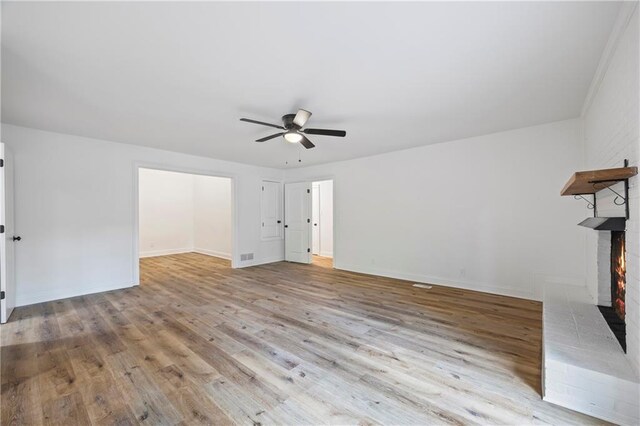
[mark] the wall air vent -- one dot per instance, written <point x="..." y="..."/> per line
<point x="246" y="256"/>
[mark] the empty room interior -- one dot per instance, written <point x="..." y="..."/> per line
<point x="182" y="213"/>
<point x="305" y="213"/>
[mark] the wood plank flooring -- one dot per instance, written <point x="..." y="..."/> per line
<point x="200" y="343"/>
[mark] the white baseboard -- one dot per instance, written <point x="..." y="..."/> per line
<point x="326" y="254"/>
<point x="57" y="294"/>
<point x="426" y="279"/>
<point x="213" y="253"/>
<point x="165" y="252"/>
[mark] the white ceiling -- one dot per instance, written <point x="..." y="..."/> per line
<point x="178" y="76"/>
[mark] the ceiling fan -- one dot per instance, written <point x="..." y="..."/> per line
<point x="293" y="132"/>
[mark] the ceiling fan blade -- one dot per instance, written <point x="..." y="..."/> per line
<point x="301" y="117"/>
<point x="261" y="123"/>
<point x="270" y="137"/>
<point x="306" y="142"/>
<point x="325" y="132"/>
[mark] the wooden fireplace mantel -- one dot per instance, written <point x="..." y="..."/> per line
<point x="592" y="181"/>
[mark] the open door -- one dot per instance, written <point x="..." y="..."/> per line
<point x="297" y="222"/>
<point x="7" y="239"/>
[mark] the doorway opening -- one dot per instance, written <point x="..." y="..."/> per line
<point x="183" y="218"/>
<point x="322" y="223"/>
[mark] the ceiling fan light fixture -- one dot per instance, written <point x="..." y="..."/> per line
<point x="292" y="129"/>
<point x="293" y="136"/>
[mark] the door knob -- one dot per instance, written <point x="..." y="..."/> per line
<point x="286" y="226"/>
<point x="17" y="238"/>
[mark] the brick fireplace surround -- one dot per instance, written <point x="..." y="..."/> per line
<point x="585" y="368"/>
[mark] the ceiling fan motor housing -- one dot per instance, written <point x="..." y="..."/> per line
<point x="288" y="123"/>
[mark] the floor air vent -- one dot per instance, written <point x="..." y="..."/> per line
<point x="428" y="287"/>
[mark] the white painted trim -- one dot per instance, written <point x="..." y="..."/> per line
<point x="622" y="22"/>
<point x="166" y="252"/>
<point x="214" y="253"/>
<point x="326" y="253"/>
<point x="58" y="293"/>
<point x="137" y="165"/>
<point x="439" y="281"/>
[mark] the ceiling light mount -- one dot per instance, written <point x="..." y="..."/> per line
<point x="287" y="121"/>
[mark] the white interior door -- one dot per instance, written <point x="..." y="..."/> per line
<point x="7" y="273"/>
<point x="297" y="222"/>
<point x="315" y="219"/>
<point x="271" y="210"/>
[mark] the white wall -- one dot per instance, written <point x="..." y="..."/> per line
<point x="182" y="212"/>
<point x="482" y="213"/>
<point x="212" y="216"/>
<point x="325" y="201"/>
<point x="74" y="200"/>
<point x="166" y="210"/>
<point x="611" y="134"/>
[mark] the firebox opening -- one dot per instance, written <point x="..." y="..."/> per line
<point x="614" y="314"/>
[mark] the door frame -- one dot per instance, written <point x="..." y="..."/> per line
<point x="187" y="170"/>
<point x="7" y="243"/>
<point x="318" y="178"/>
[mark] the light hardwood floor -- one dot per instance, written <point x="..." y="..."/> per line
<point x="199" y="342"/>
